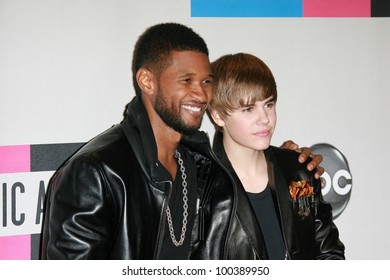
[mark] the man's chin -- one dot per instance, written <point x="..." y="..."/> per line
<point x="189" y="131"/>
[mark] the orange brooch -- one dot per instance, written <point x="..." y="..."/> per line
<point x="299" y="189"/>
<point x="302" y="194"/>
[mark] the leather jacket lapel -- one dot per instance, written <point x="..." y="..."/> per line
<point x="139" y="133"/>
<point x="281" y="196"/>
<point x="244" y="211"/>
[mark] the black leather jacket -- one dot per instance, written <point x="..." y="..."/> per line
<point x="312" y="237"/>
<point x="107" y="201"/>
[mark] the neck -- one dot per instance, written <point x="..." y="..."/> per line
<point x="167" y="140"/>
<point x="250" y="166"/>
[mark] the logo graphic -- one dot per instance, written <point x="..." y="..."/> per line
<point x="337" y="177"/>
<point x="25" y="171"/>
<point x="290" y="8"/>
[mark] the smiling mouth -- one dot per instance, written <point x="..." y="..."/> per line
<point x="192" y="108"/>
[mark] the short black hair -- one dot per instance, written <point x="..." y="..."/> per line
<point x="153" y="48"/>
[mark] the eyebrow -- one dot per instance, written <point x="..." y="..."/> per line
<point x="190" y="74"/>
<point x="269" y="99"/>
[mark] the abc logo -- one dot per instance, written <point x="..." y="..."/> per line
<point x="337" y="177"/>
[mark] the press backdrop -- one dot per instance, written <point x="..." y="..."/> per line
<point x="65" y="77"/>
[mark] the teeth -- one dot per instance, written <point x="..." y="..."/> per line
<point x="195" y="109"/>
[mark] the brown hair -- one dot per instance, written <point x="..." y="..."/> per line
<point x="240" y="79"/>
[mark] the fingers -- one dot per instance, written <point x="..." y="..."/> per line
<point x="289" y="144"/>
<point x="320" y="170"/>
<point x="315" y="162"/>
<point x="305" y="154"/>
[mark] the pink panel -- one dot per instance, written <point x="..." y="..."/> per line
<point x="15" y="247"/>
<point x="336" y="8"/>
<point x="14" y="159"/>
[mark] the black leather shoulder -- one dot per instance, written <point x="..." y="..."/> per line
<point x="288" y="162"/>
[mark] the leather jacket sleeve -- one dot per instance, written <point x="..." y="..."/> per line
<point x="328" y="244"/>
<point x="78" y="202"/>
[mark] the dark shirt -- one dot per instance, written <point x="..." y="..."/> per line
<point x="264" y="208"/>
<point x="168" y="250"/>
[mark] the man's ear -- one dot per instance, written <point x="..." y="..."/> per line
<point x="217" y="118"/>
<point x="145" y="80"/>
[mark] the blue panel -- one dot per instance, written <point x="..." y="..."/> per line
<point x="246" y="8"/>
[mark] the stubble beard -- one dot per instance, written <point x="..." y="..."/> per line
<point x="171" y="116"/>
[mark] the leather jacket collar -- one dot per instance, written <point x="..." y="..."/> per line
<point x="279" y="195"/>
<point x="244" y="210"/>
<point x="139" y="133"/>
<point x="281" y="199"/>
